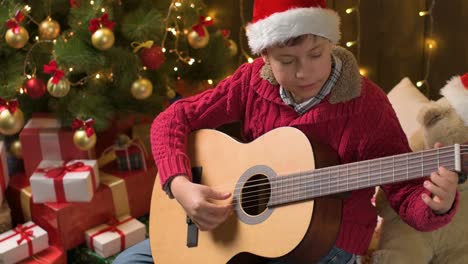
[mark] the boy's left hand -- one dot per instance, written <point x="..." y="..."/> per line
<point x="443" y="186"/>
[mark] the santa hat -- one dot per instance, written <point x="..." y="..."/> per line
<point x="275" y="21"/>
<point x="456" y="93"/>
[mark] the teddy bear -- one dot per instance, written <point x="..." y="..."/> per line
<point x="444" y="121"/>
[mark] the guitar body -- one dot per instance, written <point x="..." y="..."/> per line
<point x="300" y="232"/>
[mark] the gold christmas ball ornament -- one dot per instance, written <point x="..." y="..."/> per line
<point x="11" y="124"/>
<point x="15" y="149"/>
<point x="232" y="47"/>
<point x="82" y="141"/>
<point x="49" y="29"/>
<point x="142" y="88"/>
<point x="196" y="41"/>
<point x="60" y="89"/>
<point x="19" y="40"/>
<point x="103" y="39"/>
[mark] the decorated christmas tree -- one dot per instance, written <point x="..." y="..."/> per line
<point x="91" y="60"/>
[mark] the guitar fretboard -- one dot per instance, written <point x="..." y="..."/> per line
<point x="360" y="175"/>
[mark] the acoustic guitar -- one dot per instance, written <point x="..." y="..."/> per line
<point x="284" y="194"/>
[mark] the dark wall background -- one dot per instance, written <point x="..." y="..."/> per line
<point x="392" y="37"/>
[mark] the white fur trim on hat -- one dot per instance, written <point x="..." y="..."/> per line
<point x="283" y="26"/>
<point x="457" y="95"/>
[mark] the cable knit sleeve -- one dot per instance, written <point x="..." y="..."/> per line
<point x="210" y="109"/>
<point x="405" y="197"/>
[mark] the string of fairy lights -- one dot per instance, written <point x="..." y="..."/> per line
<point x="355" y="10"/>
<point x="429" y="45"/>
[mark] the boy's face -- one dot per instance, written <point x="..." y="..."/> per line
<point x="301" y="69"/>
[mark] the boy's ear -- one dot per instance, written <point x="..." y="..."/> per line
<point x="265" y="56"/>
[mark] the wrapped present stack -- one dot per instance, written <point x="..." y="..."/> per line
<point x="74" y="196"/>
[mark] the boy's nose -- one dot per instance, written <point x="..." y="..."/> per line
<point x="300" y="73"/>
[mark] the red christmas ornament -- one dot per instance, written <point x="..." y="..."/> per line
<point x="152" y="57"/>
<point x="34" y="88"/>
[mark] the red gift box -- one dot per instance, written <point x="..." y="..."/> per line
<point x="52" y="255"/>
<point x="139" y="185"/>
<point x="66" y="222"/>
<point x="44" y="139"/>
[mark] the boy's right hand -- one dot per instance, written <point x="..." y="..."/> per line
<point x="198" y="202"/>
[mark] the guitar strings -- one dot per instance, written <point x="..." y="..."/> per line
<point x="401" y="156"/>
<point x="346" y="166"/>
<point x="281" y="196"/>
<point x="286" y="191"/>
<point x="334" y="179"/>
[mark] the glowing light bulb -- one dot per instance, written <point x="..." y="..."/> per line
<point x="420" y="83"/>
<point x="350" y="10"/>
<point x="431" y="43"/>
<point x="350" y="43"/>
<point x="423" y="13"/>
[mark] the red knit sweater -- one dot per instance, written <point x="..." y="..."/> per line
<point x="362" y="128"/>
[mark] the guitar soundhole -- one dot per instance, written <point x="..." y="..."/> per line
<point x="255" y="195"/>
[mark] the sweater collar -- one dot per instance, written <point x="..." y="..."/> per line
<point x="347" y="87"/>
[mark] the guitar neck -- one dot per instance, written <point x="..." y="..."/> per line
<point x="359" y="175"/>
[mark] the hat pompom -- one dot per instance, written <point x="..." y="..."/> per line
<point x="456" y="93"/>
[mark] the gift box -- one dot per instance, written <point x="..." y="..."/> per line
<point x="66" y="222"/>
<point x="109" y="239"/>
<point x="131" y="155"/>
<point x="19" y="197"/>
<point x="52" y="255"/>
<point x="4" y="175"/>
<point x="22" y="242"/>
<point x="46" y="140"/>
<point x="138" y="185"/>
<point x="56" y="181"/>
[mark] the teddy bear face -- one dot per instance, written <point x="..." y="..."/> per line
<point x="442" y="124"/>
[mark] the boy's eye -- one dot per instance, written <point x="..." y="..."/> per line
<point x="286" y="62"/>
<point x="316" y="55"/>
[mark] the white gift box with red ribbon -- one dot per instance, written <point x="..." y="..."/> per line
<point x="22" y="242"/>
<point x="109" y="239"/>
<point x="4" y="176"/>
<point x="56" y="181"/>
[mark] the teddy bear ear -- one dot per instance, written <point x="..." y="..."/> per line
<point x="430" y="113"/>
